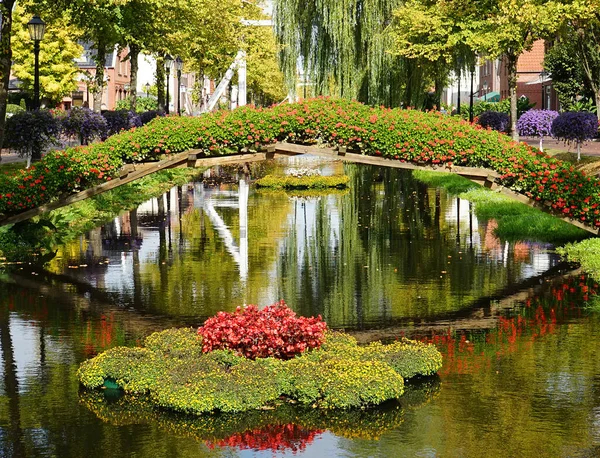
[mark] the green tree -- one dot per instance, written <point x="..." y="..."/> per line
<point x="58" y="50"/>
<point x="437" y="29"/>
<point x="564" y="66"/>
<point x="6" y="22"/>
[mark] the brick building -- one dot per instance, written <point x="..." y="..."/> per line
<point x="532" y="81"/>
<point x="117" y="79"/>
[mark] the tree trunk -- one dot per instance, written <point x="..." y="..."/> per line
<point x="511" y="69"/>
<point x="5" y="61"/>
<point x="160" y="82"/>
<point x="134" y="52"/>
<point x="99" y="76"/>
<point x="597" y="97"/>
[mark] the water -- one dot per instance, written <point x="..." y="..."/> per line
<point x="390" y="257"/>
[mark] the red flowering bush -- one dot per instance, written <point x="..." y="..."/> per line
<point x="274" y="331"/>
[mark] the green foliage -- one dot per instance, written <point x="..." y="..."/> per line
<point x="341" y="374"/>
<point x="523" y="105"/>
<point x="58" y="51"/>
<point x="12" y="109"/>
<point x="341" y="382"/>
<point x="515" y="221"/>
<point x="306" y="182"/>
<point x="586" y="253"/>
<point x="143" y="104"/>
<point x="564" y="65"/>
<point x="175" y="342"/>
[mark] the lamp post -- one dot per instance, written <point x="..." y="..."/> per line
<point x="37" y="28"/>
<point x="485" y="89"/>
<point x="168" y="64"/>
<point x="178" y="67"/>
<point x="147" y="90"/>
<point x="543" y="76"/>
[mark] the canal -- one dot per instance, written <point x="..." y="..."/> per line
<point x="388" y="257"/>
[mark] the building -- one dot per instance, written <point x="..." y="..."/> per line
<point x="532" y="81"/>
<point x="117" y="79"/>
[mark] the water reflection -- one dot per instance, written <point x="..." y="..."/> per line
<point x="390" y="250"/>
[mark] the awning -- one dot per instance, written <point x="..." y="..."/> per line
<point x="493" y="96"/>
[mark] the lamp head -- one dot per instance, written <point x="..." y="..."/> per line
<point x="37" y="28"/>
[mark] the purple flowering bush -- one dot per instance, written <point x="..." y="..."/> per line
<point x="494" y="120"/>
<point x="84" y="124"/>
<point x="149" y="115"/>
<point x="575" y="126"/>
<point x="537" y="123"/>
<point x="31" y="132"/>
<point x="120" y="120"/>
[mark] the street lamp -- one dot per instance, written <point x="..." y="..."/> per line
<point x="168" y="64"/>
<point x="147" y="90"/>
<point x="178" y="67"/>
<point x="37" y="28"/>
<point x="543" y="76"/>
<point x="485" y="88"/>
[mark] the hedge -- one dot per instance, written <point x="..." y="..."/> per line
<point x="404" y="135"/>
<point x="174" y="372"/>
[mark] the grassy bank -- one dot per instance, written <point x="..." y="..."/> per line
<point x="516" y="221"/>
<point x="39" y="236"/>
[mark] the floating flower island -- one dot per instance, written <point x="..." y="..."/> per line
<point x="253" y="359"/>
<point x="303" y="182"/>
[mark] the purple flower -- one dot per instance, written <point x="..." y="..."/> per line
<point x="84" y="124"/>
<point x="575" y="126"/>
<point x="494" y="120"/>
<point x="536" y="123"/>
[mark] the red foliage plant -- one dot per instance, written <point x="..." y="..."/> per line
<point x="273" y="331"/>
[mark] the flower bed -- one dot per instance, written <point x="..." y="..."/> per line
<point x="304" y="182"/>
<point x="404" y="135"/>
<point x="181" y="371"/>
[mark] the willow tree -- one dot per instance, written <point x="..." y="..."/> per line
<point x="342" y="46"/>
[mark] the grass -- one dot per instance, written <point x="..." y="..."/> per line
<point x="516" y="221"/>
<point x="586" y="253"/>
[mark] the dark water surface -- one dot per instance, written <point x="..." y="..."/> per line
<point x="389" y="257"/>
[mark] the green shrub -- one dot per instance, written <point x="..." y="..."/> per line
<point x="306" y="182"/>
<point x="407" y="357"/>
<point x="133" y="369"/>
<point x="208" y="386"/>
<point x="342" y="383"/>
<point x="12" y="109"/>
<point x="175" y="342"/>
